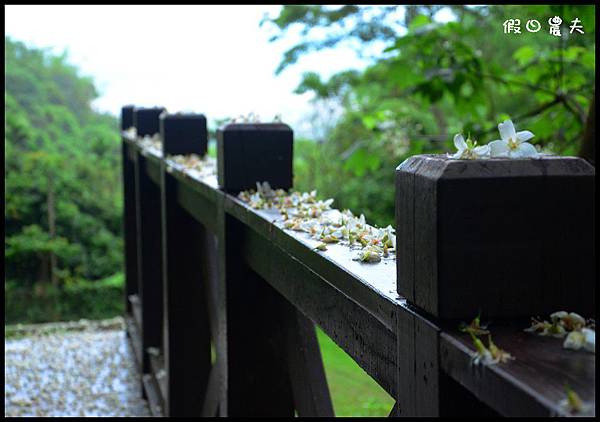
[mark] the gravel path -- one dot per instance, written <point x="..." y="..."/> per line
<point x="85" y="373"/>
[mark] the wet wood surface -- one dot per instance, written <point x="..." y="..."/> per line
<point x="533" y="384"/>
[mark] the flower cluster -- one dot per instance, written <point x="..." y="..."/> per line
<point x="253" y="118"/>
<point x="474" y="327"/>
<point x="303" y="212"/>
<point x="489" y="355"/>
<point x="512" y="144"/>
<point x="131" y="132"/>
<point x="205" y="166"/>
<point x="149" y="142"/>
<point x="577" y="332"/>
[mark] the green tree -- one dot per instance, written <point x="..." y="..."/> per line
<point x="433" y="79"/>
<point x="62" y="178"/>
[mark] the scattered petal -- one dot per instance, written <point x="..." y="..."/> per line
<point x="507" y="130"/>
<point x="524" y="135"/>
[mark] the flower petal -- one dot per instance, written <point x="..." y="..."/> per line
<point x="459" y="142"/>
<point x="498" y="148"/>
<point x="524" y="135"/>
<point x="482" y="150"/>
<point x="526" y="150"/>
<point x="574" y="340"/>
<point x="589" y="342"/>
<point x="507" y="130"/>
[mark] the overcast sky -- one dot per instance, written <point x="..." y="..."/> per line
<point x="210" y="59"/>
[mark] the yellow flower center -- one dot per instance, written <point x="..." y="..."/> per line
<point x="512" y="143"/>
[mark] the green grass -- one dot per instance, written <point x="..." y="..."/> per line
<point x="353" y="392"/>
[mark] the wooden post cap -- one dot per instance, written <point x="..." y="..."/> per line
<point x="183" y="133"/>
<point x="504" y="237"/>
<point x="145" y="120"/>
<point x="254" y="152"/>
<point x="126" y="117"/>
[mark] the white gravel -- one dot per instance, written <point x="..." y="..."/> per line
<point x="89" y="373"/>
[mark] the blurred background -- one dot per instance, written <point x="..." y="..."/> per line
<point x="363" y="87"/>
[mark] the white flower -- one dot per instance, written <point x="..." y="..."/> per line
<point x="467" y="150"/>
<point x="574" y="340"/>
<point x="513" y="143"/>
<point x="585" y="339"/>
<point x="589" y="343"/>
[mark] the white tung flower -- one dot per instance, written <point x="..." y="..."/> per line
<point x="513" y="144"/>
<point x="589" y="343"/>
<point x="468" y="150"/>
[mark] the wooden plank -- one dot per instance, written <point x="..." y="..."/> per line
<point x="153" y="170"/>
<point x="406" y="380"/>
<point x="211" y="399"/>
<point x="531" y="385"/>
<point x="405" y="228"/>
<point x="203" y="210"/>
<point x="186" y="324"/>
<point x="369" y="342"/>
<point x="424" y="390"/>
<point x="307" y="374"/>
<point x="371" y="285"/>
<point x="131" y="149"/>
<point x="210" y="276"/>
<point x="425" y="238"/>
<point x="135" y="341"/>
<point x="149" y="243"/>
<point x="157" y="372"/>
<point x="129" y="227"/>
<point x="256" y="381"/>
<point x="427" y="386"/>
<point x="152" y="395"/>
<point x="136" y="310"/>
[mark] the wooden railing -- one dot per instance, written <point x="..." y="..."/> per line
<point x="222" y="299"/>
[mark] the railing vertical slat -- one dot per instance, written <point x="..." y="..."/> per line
<point x="129" y="214"/>
<point x="148" y="241"/>
<point x="258" y="372"/>
<point x="186" y="336"/>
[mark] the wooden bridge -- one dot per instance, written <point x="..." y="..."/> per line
<point x="222" y="299"/>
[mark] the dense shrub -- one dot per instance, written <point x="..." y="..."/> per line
<point x="80" y="299"/>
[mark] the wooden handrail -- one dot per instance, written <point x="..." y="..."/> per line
<point x="233" y="277"/>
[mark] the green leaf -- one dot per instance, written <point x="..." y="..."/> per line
<point x="361" y="161"/>
<point x="524" y="55"/>
<point x="418" y="21"/>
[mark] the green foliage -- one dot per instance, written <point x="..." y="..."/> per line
<point x="434" y="80"/>
<point x="62" y="172"/>
<point x="75" y="300"/>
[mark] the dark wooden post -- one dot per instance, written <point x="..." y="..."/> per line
<point x="129" y="222"/>
<point x="186" y="337"/>
<point x="259" y="329"/>
<point x="148" y="240"/>
<point x="132" y="305"/>
<point x="184" y="133"/>
<point x="145" y="120"/>
<point x="510" y="238"/>
<point x="506" y="238"/>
